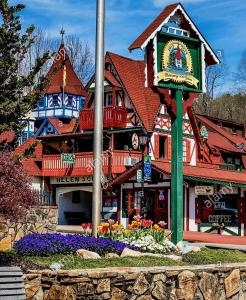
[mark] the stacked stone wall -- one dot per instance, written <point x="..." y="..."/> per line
<point x="210" y="282"/>
<point x="42" y="219"/>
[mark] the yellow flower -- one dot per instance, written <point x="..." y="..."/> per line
<point x="127" y="231"/>
<point x="156" y="227"/>
<point x="99" y="228"/>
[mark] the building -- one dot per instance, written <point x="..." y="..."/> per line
<point x="214" y="153"/>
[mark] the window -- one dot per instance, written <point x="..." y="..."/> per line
<point x="108" y="100"/>
<point x="55" y="100"/>
<point x="223" y="211"/>
<point x="162" y="146"/>
<point x="70" y="100"/>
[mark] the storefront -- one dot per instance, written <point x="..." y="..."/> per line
<point x="221" y="211"/>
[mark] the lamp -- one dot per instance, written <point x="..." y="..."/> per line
<point x="143" y="139"/>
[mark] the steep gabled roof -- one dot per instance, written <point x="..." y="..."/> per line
<point x="132" y="76"/>
<point x="62" y="73"/>
<point x="227" y="142"/>
<point x="157" y="24"/>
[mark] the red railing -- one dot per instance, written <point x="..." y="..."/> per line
<point x="53" y="166"/>
<point x="113" y="116"/>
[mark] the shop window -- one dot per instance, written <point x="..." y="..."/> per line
<point x="223" y="211"/>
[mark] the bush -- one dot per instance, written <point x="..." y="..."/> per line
<point x="51" y="244"/>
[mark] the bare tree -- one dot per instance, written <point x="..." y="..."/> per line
<point x="81" y="57"/>
<point x="215" y="76"/>
<point x="240" y="76"/>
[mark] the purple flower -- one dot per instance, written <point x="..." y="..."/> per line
<point x="50" y="244"/>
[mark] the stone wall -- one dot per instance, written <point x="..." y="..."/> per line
<point x="210" y="282"/>
<point x="42" y="219"/>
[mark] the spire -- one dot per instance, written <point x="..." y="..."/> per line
<point x="62" y="33"/>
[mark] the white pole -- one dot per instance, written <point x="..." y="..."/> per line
<point x="98" y="117"/>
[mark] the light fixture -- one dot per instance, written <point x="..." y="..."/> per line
<point x="143" y="139"/>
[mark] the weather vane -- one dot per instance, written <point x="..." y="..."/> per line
<point x="62" y="32"/>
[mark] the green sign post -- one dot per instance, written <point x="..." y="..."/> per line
<point x="68" y="158"/>
<point x="177" y="171"/>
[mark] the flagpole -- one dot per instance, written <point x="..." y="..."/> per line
<point x="98" y="118"/>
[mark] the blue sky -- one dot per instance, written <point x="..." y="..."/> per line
<point x="222" y="22"/>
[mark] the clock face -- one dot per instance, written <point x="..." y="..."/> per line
<point x="135" y="141"/>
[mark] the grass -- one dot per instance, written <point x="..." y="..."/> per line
<point x="72" y="262"/>
<point x="203" y="257"/>
<point x="214" y="256"/>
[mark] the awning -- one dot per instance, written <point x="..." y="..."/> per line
<point x="204" y="174"/>
<point x="208" y="174"/>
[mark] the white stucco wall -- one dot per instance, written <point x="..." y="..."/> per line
<point x="192" y="225"/>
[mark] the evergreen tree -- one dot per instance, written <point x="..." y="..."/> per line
<point x="18" y="88"/>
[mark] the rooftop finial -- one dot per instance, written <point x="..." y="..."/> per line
<point x="62" y="32"/>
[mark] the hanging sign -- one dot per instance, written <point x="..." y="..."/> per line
<point x="204" y="190"/>
<point x="139" y="176"/>
<point x="147" y="168"/>
<point x="135" y="141"/>
<point x="161" y="196"/>
<point x="68" y="158"/>
<point x="177" y="64"/>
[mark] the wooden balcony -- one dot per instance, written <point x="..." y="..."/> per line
<point x="119" y="160"/>
<point x="113" y="116"/>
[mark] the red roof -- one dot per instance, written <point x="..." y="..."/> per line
<point x="59" y="75"/>
<point x="31" y="167"/>
<point x="205" y="173"/>
<point x="208" y="173"/>
<point x="153" y="26"/>
<point x="227" y="140"/>
<point x="112" y="80"/>
<point x="145" y="101"/>
<point x="62" y="128"/>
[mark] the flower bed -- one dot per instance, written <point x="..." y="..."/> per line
<point x="141" y="233"/>
<point x="51" y="244"/>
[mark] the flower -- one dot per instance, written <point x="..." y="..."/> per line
<point x="111" y="221"/>
<point x="162" y="224"/>
<point x="146" y="223"/>
<point x="85" y="226"/>
<point x="156" y="227"/>
<point x="137" y="218"/>
<point x="56" y="243"/>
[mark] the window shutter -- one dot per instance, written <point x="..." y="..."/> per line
<point x="169" y="148"/>
<point x="197" y="211"/>
<point x="188" y="154"/>
<point x="156" y="147"/>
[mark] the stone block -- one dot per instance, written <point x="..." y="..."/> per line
<point x="187" y="284"/>
<point x="61" y="292"/>
<point x="232" y="283"/>
<point x="6" y="244"/>
<point x="160" y="291"/>
<point x="103" y="285"/>
<point x="85" y="254"/>
<point x="84" y="289"/>
<point x="141" y="285"/>
<point x="118" y="294"/>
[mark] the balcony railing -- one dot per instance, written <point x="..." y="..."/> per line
<point x="84" y="164"/>
<point x="113" y="116"/>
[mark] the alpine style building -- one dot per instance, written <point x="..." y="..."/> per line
<point x="214" y="152"/>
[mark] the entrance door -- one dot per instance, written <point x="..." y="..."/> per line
<point x="161" y="206"/>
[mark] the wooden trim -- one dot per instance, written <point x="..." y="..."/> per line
<point x="187" y="209"/>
